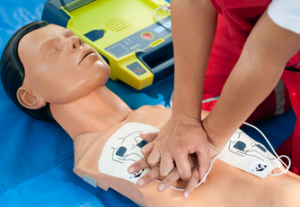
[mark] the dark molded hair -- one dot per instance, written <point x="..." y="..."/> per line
<point x="12" y="71"/>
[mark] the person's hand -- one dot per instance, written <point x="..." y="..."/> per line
<point x="180" y="136"/>
<point x="154" y="173"/>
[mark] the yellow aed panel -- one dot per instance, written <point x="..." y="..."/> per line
<point x="126" y="33"/>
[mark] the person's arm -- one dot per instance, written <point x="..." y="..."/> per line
<point x="266" y="51"/>
<point x="193" y="28"/>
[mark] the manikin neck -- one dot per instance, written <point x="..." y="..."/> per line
<point x="92" y="113"/>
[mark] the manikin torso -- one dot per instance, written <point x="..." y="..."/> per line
<point x="225" y="185"/>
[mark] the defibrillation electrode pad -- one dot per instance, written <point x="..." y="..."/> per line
<point x="246" y="154"/>
<point x="123" y="149"/>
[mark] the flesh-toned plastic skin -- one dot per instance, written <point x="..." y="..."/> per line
<point x="58" y="71"/>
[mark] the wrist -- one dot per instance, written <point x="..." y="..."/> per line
<point x="182" y="114"/>
<point x="186" y="109"/>
<point x="214" y="136"/>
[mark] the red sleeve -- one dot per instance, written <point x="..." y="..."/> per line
<point x="216" y="6"/>
<point x="240" y="16"/>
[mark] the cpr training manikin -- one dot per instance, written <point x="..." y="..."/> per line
<point x="68" y="76"/>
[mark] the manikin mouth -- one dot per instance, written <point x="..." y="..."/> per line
<point x="85" y="57"/>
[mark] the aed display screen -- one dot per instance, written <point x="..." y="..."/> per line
<point x="118" y="50"/>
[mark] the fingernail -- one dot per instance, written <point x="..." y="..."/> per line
<point x="143" y="134"/>
<point x="141" y="182"/>
<point x="131" y="170"/>
<point x="185" y="194"/>
<point x="204" y="180"/>
<point x="161" y="187"/>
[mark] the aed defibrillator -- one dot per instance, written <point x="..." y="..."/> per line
<point x="127" y="33"/>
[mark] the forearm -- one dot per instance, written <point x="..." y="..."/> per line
<point x="193" y="27"/>
<point x="243" y="92"/>
<point x="256" y="73"/>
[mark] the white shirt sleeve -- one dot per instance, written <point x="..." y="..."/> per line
<point x="286" y="14"/>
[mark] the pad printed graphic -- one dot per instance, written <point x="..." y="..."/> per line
<point x="123" y="149"/>
<point x="246" y="154"/>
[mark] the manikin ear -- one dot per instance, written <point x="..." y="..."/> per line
<point x="29" y="100"/>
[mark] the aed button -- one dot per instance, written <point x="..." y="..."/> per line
<point x="147" y="36"/>
<point x="136" y="68"/>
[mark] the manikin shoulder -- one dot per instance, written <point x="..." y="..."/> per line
<point x="152" y="115"/>
<point x="155" y="116"/>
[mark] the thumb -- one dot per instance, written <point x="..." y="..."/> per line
<point x="149" y="137"/>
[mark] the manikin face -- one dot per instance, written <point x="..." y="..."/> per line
<point x="59" y="67"/>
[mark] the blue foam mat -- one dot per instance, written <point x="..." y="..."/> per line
<point x="36" y="158"/>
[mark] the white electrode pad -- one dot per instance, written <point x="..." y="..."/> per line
<point x="246" y="154"/>
<point x="123" y="149"/>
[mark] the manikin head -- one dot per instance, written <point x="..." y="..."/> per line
<point x="58" y="68"/>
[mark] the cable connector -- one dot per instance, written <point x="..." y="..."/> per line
<point x="165" y="8"/>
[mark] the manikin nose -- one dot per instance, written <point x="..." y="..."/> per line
<point x="74" y="43"/>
